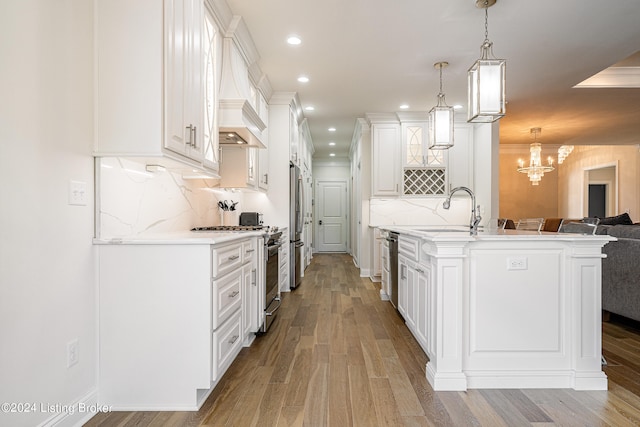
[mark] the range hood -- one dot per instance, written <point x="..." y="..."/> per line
<point x="239" y="122"/>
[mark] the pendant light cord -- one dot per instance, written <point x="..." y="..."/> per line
<point x="486" y="21"/>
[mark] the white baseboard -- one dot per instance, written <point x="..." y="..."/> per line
<point x="365" y="272"/>
<point x="77" y="413"/>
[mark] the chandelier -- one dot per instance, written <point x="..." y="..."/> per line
<point x="486" y="79"/>
<point x="441" y="119"/>
<point x="536" y="170"/>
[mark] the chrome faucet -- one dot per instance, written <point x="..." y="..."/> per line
<point x="475" y="210"/>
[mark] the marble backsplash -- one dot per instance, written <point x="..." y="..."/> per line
<point x="133" y="202"/>
<point x="419" y="211"/>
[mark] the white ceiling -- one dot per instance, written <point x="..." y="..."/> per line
<point x="370" y="56"/>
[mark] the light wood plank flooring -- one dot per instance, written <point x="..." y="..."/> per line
<point x="339" y="356"/>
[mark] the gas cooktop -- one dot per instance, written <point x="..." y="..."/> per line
<point x="232" y="228"/>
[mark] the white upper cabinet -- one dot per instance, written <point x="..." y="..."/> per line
<point x="183" y="78"/>
<point x="415" y="147"/>
<point x="156" y="80"/>
<point x="386" y="163"/>
<point x="210" y="79"/>
<point x="239" y="167"/>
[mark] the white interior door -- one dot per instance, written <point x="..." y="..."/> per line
<point x="331" y="220"/>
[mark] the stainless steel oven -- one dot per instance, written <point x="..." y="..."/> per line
<point x="272" y="266"/>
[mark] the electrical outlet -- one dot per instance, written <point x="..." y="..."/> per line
<point x="517" y="263"/>
<point x="77" y="193"/>
<point x="72" y="353"/>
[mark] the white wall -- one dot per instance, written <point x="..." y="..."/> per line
<point x="331" y="170"/>
<point x="47" y="261"/>
<point x="571" y="178"/>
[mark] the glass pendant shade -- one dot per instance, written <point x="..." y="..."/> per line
<point x="441" y="127"/>
<point x="441" y="119"/>
<point x="487" y="89"/>
<point x="486" y="79"/>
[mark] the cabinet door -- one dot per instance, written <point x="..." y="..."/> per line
<point x="424" y="298"/>
<point x="212" y="45"/>
<point x="411" y="301"/>
<point x="263" y="154"/>
<point x="263" y="168"/>
<point x="414" y="144"/>
<point x="386" y="160"/>
<point x="183" y="77"/>
<point x="252" y="167"/>
<point x="402" y="285"/>
<point x="249" y="300"/>
<point x="377" y="256"/>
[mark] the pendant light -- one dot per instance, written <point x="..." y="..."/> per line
<point x="441" y="119"/>
<point x="486" y="79"/>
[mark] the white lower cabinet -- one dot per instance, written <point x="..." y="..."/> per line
<point x="172" y="318"/>
<point x="227" y="297"/>
<point x="415" y="289"/>
<point x="226" y="344"/>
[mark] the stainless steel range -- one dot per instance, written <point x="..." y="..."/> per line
<point x="272" y="266"/>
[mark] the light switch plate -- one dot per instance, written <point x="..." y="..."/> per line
<point x="77" y="193"/>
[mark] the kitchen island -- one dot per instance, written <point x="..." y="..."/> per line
<point x="505" y="308"/>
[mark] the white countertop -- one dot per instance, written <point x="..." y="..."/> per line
<point x="461" y="233"/>
<point x="181" y="238"/>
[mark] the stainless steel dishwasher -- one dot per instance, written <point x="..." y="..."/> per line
<point x="393" y="267"/>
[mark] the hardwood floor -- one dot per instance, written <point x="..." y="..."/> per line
<point x="339" y="356"/>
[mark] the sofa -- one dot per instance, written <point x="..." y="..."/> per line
<point x="621" y="267"/>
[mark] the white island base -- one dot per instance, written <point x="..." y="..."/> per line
<point x="504" y="309"/>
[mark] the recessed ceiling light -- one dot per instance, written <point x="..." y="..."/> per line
<point x="303" y="79"/>
<point x="457" y="107"/>
<point x="332" y="154"/>
<point x="332" y="143"/>
<point x="331" y="129"/>
<point x="294" y="40"/>
<point x="309" y="108"/>
<point x="404" y="106"/>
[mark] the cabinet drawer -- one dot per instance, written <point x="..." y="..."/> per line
<point x="227" y="297"/>
<point x="226" y="258"/>
<point x="249" y="249"/>
<point x="409" y="247"/>
<point x="226" y="343"/>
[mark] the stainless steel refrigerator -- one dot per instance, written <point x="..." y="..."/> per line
<point x="295" y="226"/>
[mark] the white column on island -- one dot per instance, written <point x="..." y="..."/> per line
<point x="586" y="285"/>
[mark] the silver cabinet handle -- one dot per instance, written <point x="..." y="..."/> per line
<point x="190" y="129"/>
<point x="234" y="294"/>
<point x="419" y="270"/>
<point x="266" y="178"/>
<point x="195" y="138"/>
<point x="233" y="257"/>
<point x="253" y="277"/>
<point x="234" y="339"/>
<point x="249" y="250"/>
